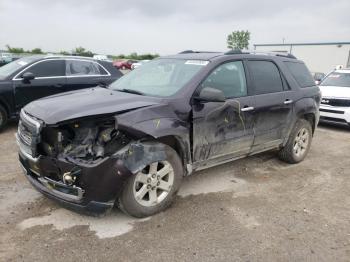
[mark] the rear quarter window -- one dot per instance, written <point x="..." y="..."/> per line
<point x="300" y="73"/>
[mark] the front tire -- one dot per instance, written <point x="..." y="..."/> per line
<point x="153" y="189"/>
<point x="298" y="144"/>
<point x="3" y="117"/>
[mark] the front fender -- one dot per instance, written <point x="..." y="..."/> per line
<point x="137" y="155"/>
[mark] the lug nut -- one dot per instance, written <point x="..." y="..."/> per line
<point x="153" y="176"/>
<point x="148" y="186"/>
<point x="158" y="177"/>
<point x="158" y="183"/>
<point x="153" y="188"/>
<point x="148" y="180"/>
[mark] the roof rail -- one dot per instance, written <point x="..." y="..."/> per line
<point x="197" y="52"/>
<point x="235" y="52"/>
<point x="187" y="52"/>
<point x="255" y="52"/>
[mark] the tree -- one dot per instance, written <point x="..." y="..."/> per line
<point x="37" y="51"/>
<point x="15" y="50"/>
<point x="133" y="56"/>
<point x="64" y="53"/>
<point x="148" y="56"/>
<point x="238" y="40"/>
<point x="82" y="52"/>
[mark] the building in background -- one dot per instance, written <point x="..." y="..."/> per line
<point x="319" y="57"/>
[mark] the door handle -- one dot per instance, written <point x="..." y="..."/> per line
<point x="288" y="101"/>
<point x="58" y="85"/>
<point x="247" y="109"/>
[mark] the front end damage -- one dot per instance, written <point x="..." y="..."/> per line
<point x="83" y="163"/>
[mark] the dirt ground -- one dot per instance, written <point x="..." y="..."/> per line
<point x="255" y="209"/>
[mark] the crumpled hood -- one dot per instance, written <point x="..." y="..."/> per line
<point x="335" y="91"/>
<point x="86" y="102"/>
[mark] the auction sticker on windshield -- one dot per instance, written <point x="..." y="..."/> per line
<point x="197" y="62"/>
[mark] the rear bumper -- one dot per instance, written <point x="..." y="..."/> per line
<point x="335" y="115"/>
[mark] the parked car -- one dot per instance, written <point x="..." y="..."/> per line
<point x="33" y="77"/>
<point x="124" y="65"/>
<point x="5" y="58"/>
<point x="335" y="104"/>
<point x="138" y="64"/>
<point x="132" y="144"/>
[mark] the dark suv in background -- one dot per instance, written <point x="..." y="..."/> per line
<point x="29" y="78"/>
<point x="131" y="144"/>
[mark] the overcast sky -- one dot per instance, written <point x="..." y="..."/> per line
<point x="166" y="27"/>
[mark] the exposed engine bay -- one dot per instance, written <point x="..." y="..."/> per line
<point x="87" y="140"/>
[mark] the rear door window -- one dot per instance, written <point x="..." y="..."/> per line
<point x="48" y="68"/>
<point x="81" y="68"/>
<point x="265" y="77"/>
<point x="300" y="73"/>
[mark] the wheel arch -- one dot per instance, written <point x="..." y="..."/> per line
<point x="307" y="109"/>
<point x="5" y="105"/>
<point x="311" y="118"/>
<point x="168" y="131"/>
<point x="179" y="146"/>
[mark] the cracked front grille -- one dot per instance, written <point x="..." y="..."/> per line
<point x="28" y="134"/>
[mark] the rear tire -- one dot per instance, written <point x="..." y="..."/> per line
<point x="153" y="189"/>
<point x="3" y="117"/>
<point x="298" y="144"/>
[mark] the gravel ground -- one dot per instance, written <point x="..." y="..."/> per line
<point x="255" y="209"/>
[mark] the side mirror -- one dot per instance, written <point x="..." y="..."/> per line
<point x="27" y="76"/>
<point x="209" y="94"/>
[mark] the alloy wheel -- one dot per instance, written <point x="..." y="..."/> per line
<point x="153" y="184"/>
<point x="301" y="142"/>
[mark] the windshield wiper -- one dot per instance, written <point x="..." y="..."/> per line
<point x="131" y="91"/>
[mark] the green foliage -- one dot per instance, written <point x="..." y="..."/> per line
<point x="238" y="40"/>
<point x="135" y="56"/>
<point x="81" y="51"/>
<point x="148" y="56"/>
<point x="64" y="52"/>
<point x="15" y="50"/>
<point x="37" y="51"/>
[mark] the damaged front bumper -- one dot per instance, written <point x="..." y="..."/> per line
<point x="97" y="187"/>
<point x="90" y="185"/>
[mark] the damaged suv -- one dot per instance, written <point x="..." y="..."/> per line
<point x="132" y="143"/>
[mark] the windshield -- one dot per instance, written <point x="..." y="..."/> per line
<point x="161" y="77"/>
<point x="12" y="67"/>
<point x="337" y="79"/>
